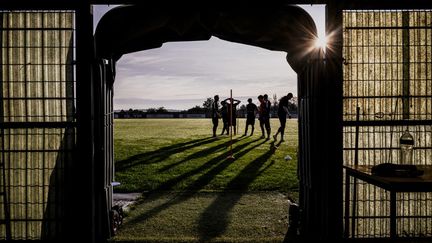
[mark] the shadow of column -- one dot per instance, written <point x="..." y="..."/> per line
<point x="59" y="199"/>
<point x="56" y="201"/>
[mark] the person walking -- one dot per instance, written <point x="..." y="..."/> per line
<point x="215" y="114"/>
<point x="251" y="110"/>
<point x="283" y="111"/>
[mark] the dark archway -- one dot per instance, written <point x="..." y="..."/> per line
<point x="126" y="29"/>
<point x="281" y="27"/>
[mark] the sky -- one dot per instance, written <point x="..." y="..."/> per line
<point x="181" y="75"/>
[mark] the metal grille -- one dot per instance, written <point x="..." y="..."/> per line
<point x="388" y="75"/>
<point x="104" y="80"/>
<point x="37" y="88"/>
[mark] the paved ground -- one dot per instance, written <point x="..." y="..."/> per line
<point x="125" y="199"/>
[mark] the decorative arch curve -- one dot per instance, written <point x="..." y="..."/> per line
<point x="280" y="27"/>
<point x="127" y="29"/>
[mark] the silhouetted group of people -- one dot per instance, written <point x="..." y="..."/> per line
<point x="228" y="113"/>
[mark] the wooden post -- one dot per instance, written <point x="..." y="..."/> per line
<point x="83" y="170"/>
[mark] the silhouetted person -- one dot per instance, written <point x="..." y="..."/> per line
<point x="264" y="115"/>
<point x="224" y="114"/>
<point x="261" y="114"/>
<point x="251" y="110"/>
<point x="233" y="121"/>
<point x="215" y="114"/>
<point x="282" y="113"/>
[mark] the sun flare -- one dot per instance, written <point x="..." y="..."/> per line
<point x="321" y="42"/>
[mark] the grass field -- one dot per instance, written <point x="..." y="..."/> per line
<point x="207" y="217"/>
<point x="180" y="154"/>
<point x="192" y="193"/>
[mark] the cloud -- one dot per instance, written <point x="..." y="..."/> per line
<point x="180" y="75"/>
<point x="200" y="69"/>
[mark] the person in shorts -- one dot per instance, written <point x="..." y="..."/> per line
<point x="261" y="114"/>
<point x="224" y="114"/>
<point x="265" y="107"/>
<point x="215" y="114"/>
<point x="282" y="114"/>
<point x="233" y="121"/>
<point x="251" y="110"/>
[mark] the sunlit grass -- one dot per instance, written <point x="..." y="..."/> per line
<point x="179" y="154"/>
<point x="207" y="217"/>
<point x="192" y="193"/>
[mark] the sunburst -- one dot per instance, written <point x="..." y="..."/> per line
<point x="321" y="42"/>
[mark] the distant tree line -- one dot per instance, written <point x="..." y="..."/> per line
<point x="206" y="109"/>
<point x="159" y="110"/>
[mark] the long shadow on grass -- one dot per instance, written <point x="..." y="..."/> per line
<point x="220" y="163"/>
<point x="159" y="154"/>
<point x="199" y="154"/>
<point x="214" y="220"/>
<point x="168" y="185"/>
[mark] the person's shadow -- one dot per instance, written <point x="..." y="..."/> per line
<point x="215" y="219"/>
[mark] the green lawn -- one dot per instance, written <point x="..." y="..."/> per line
<point x="180" y="155"/>
<point x="192" y="193"/>
<point x="207" y="217"/>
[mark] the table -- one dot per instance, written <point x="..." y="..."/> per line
<point x="392" y="184"/>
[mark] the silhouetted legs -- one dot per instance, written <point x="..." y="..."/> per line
<point x="234" y="124"/>
<point x="267" y="126"/>
<point x="215" y="121"/>
<point x="225" y="126"/>
<point x="281" y="130"/>
<point x="246" y="129"/>
<point x="262" y="127"/>
<point x="250" y="120"/>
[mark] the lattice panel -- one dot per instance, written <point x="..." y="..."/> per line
<point x="388" y="74"/>
<point x="37" y="100"/>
